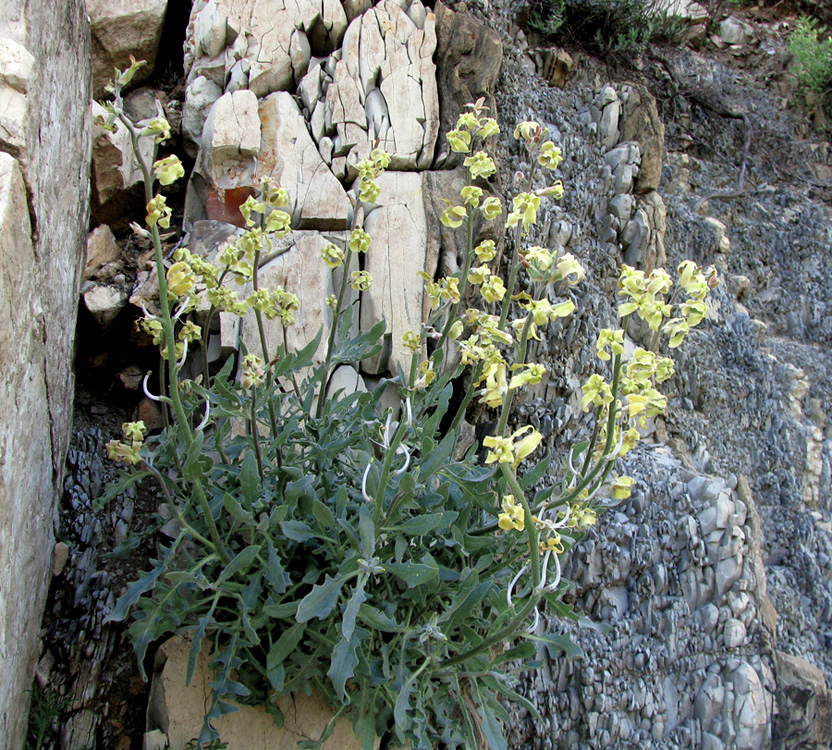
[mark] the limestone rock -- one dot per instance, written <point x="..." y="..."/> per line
<point x="101" y="249"/>
<point x="346" y="381"/>
<point x="16" y="70"/>
<point x="25" y="472"/>
<point x="200" y="96"/>
<point x="270" y="41"/>
<point x="105" y="302"/>
<point x="178" y="710"/>
<point x="227" y="163"/>
<point x="117" y="181"/>
<point x="555" y="66"/>
<point x="301" y="271"/>
<point x="46" y="177"/>
<point x="640" y="122"/>
<point x="468" y="56"/>
<point x="289" y="156"/>
<point x="384" y="50"/>
<point x="398" y="252"/>
<point x="120" y="29"/>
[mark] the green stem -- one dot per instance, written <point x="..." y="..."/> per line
<point x="336" y="316"/>
<point x="531" y="529"/>
<point x="504" y="634"/>
<point x="385" y="473"/>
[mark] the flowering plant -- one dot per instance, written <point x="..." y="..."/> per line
<point x="325" y="542"/>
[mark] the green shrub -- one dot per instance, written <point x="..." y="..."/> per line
<point x="811" y="48"/>
<point x="322" y="543"/>
<point x="605" y="26"/>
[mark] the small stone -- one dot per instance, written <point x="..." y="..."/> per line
<point x="131" y="377"/>
<point x="60" y="557"/>
<point x="101" y="249"/>
<point x="149" y="412"/>
<point x="105" y="302"/>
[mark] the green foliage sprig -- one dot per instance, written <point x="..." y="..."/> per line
<point x="811" y="47"/>
<point x="324" y="543"/>
<point x="622" y="27"/>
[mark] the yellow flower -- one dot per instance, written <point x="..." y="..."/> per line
<point x="180" y="279"/>
<point x="467" y="121"/>
<point x="134" y="431"/>
<point x="368" y="190"/>
<point x="471" y="195"/>
<point x="456" y="330"/>
<point x="501" y="449"/>
<point x="552" y="544"/>
<point x="159" y="127"/>
<point x="453" y="216"/>
<point x="549" y="156"/>
<point x="254" y="373"/>
<point x="459" y="140"/>
<point x="190" y="332"/>
<point x="359" y="241"/>
<point x="532" y="375"/>
<point x="488" y="127"/>
<point x="555" y="190"/>
<point x="622" y="487"/>
<point x="486" y="250"/>
<point x="128" y="454"/>
<point x="525" y="211"/>
<point x="491" y="208"/>
<point x="480" y="165"/>
<point x="513" y="516"/>
<point x="529" y="131"/>
<point x="411" y="341"/>
<point x="381" y="159"/>
<point x="495" y="385"/>
<point x="361" y="281"/>
<point x="596" y="392"/>
<point x="168" y="170"/>
<point x="612" y="339"/>
<point x="333" y="256"/>
<point x="478" y="274"/>
<point x="251" y="206"/>
<point x="570" y="269"/>
<point x="527" y="445"/>
<point x="158" y="212"/>
<point x="631" y="437"/>
<point x="493" y="290"/>
<point x="278" y="222"/>
<point x="426" y="375"/>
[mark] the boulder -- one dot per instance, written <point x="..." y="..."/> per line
<point x="640" y="122"/>
<point x="468" y="56"/>
<point x="289" y="156"/>
<point x="269" y="41"/>
<point x="122" y="28"/>
<point x="398" y="252"/>
<point x="101" y="249"/>
<point x="301" y="271"/>
<point x="177" y="709"/>
<point x="804" y="704"/>
<point x="383" y="91"/>
<point x="226" y="167"/>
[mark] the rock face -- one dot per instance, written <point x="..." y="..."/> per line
<point x="176" y="711"/>
<point x="44" y="174"/>
<point x="121" y="29"/>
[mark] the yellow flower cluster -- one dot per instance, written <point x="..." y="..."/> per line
<point x="253" y="372"/>
<point x="127" y="450"/>
<point x="504" y="450"/>
<point x="513" y="517"/>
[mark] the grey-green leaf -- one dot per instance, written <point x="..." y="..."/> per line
<point x="321" y="600"/>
